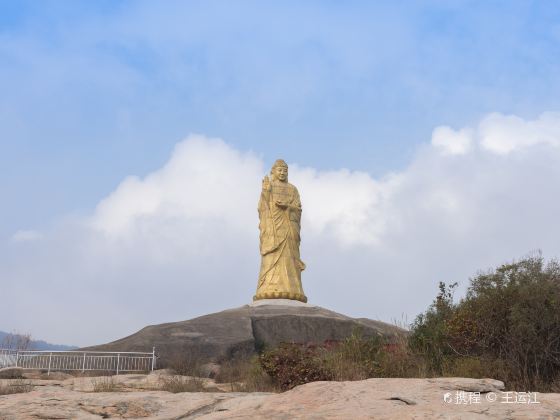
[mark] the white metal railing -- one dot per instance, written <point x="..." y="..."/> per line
<point x="79" y="360"/>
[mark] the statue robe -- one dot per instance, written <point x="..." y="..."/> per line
<point x="281" y="266"/>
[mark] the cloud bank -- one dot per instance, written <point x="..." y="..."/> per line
<point x="500" y="134"/>
<point x="182" y="241"/>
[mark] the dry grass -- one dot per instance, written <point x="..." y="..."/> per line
<point x="176" y="384"/>
<point x="245" y="375"/>
<point x="105" y="384"/>
<point x="189" y="363"/>
<point x="87" y="373"/>
<point x="15" y="386"/>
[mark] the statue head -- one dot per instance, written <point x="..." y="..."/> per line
<point x="279" y="171"/>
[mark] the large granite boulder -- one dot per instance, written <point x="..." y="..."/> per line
<point x="376" y="398"/>
<point x="244" y="331"/>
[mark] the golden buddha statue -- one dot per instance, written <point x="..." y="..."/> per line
<point x="279" y="225"/>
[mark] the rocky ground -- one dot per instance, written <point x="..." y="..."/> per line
<point x="139" y="396"/>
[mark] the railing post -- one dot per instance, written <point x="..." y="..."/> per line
<point x="50" y="357"/>
<point x="118" y="360"/>
<point x="17" y="358"/>
<point x="153" y="358"/>
<point x="84" y="363"/>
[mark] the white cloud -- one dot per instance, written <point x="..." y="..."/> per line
<point x="205" y="178"/>
<point x="183" y="240"/>
<point x="350" y="206"/>
<point x="452" y="142"/>
<point x="499" y="134"/>
<point x="503" y="134"/>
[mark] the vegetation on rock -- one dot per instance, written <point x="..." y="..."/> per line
<point x="507" y="327"/>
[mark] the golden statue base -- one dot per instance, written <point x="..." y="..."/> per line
<point x="280" y="295"/>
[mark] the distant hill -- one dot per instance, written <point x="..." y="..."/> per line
<point x="34" y="344"/>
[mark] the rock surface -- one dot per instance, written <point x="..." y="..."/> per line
<point x="379" y="398"/>
<point x="242" y="331"/>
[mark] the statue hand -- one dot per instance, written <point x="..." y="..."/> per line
<point x="266" y="183"/>
<point x="281" y="204"/>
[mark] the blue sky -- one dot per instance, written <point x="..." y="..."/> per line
<point x="94" y="92"/>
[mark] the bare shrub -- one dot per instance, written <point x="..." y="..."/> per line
<point x="355" y="358"/>
<point x="176" y="384"/>
<point x="245" y="375"/>
<point x="188" y="363"/>
<point x="16" y="341"/>
<point x="290" y="365"/>
<point x="104" y="384"/>
<point x="15" y="386"/>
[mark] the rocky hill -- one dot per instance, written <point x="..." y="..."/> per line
<point x="243" y="331"/>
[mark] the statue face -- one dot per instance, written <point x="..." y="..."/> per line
<point x="281" y="173"/>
